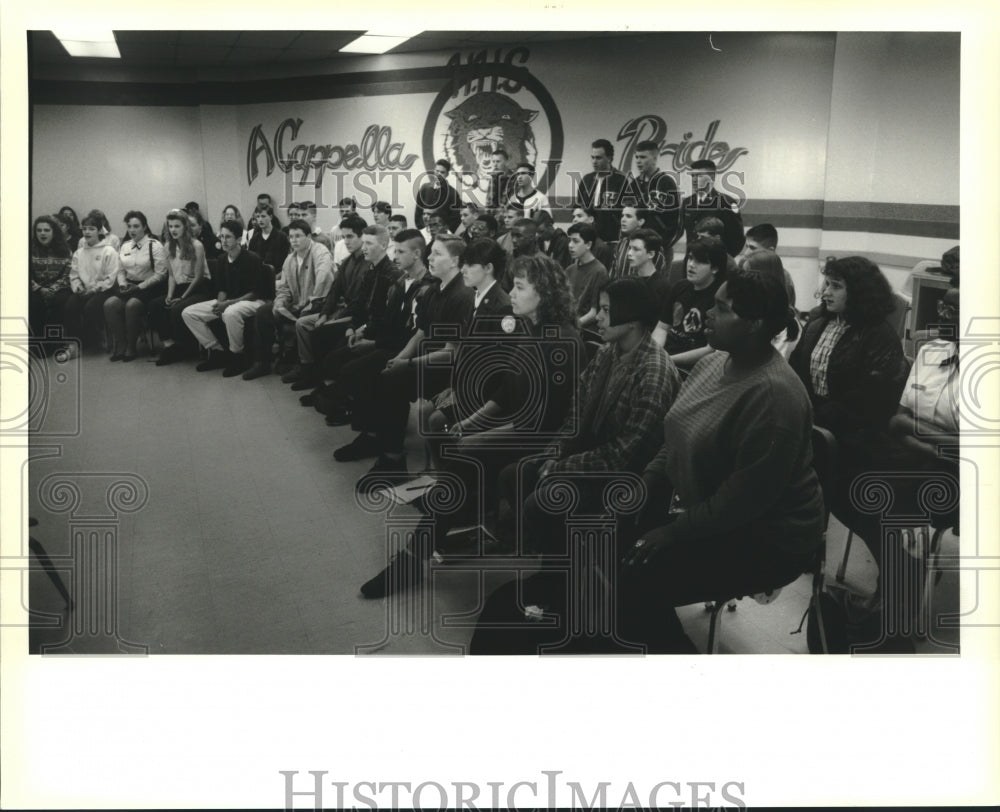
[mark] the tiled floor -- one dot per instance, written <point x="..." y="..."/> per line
<point x="251" y="540"/>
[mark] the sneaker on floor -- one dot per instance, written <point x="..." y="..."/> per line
<point x="387" y="472"/>
<point x="404" y="571"/>
<point x="362" y="446"/>
<point x="237" y="365"/>
<point x="216" y="360"/>
<point x="67" y="353"/>
<point x="258" y="370"/>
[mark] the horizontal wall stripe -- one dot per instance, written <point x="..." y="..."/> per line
<point x="903" y="219"/>
<point x="300" y="88"/>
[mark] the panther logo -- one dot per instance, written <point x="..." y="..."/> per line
<point x="482" y="123"/>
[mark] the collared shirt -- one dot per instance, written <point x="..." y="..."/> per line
<point x="136" y="266"/>
<point x="820" y="359"/>
<point x="481" y="294"/>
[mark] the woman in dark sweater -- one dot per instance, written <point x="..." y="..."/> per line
<point x="747" y="511"/>
<point x="850" y="358"/>
<point x="48" y="273"/>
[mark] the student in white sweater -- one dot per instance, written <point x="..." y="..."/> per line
<point x="92" y="274"/>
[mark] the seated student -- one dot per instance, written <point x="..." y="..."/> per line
<point x="106" y="235"/>
<point x="268" y="240"/>
<point x="849" y="357"/>
<point x="93" y="274"/>
<point x="516" y="407"/>
<point x="48" y="276"/>
<point x="552" y="241"/>
<point x="586" y="275"/>
<point x="511" y="214"/>
<point x="632" y="220"/>
<point x="645" y="245"/>
<point x="142" y="276"/>
<point x="448" y="304"/>
<point x="681" y="330"/>
<point x="770" y="262"/>
<point x="434" y="224"/>
<point x="482" y="262"/>
<point x="348" y="207"/>
<point x="467" y="216"/>
<point x="355" y="367"/>
<point x="737" y="451"/>
<point x="73" y="232"/>
<point x="231" y="214"/>
<point x="485" y="226"/>
<point x="188" y="283"/>
<point x="305" y="280"/>
<point x="363" y="301"/>
<point x="307" y="208"/>
<point x="242" y="291"/>
<point x="615" y="425"/>
<point x="602" y="252"/>
<point x="317" y="334"/>
<point x="201" y="230"/>
<point x="396" y="224"/>
<point x="764" y="237"/>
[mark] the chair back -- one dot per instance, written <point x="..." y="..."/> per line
<point x="897" y="318"/>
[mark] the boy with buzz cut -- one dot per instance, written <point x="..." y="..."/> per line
<point x="420" y="369"/>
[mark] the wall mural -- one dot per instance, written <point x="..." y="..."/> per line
<point x="489" y="103"/>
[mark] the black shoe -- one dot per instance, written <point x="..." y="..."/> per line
<point x="127" y="358"/>
<point x="285" y="364"/>
<point x="116" y="357"/>
<point x="339" y="417"/>
<point x="216" y="360"/>
<point x="364" y="445"/>
<point x="404" y="571"/>
<point x="308" y="381"/>
<point x="168" y="355"/>
<point x="296" y="373"/>
<point x="236" y="366"/>
<point x="258" y="370"/>
<point x="308" y="400"/>
<point x="387" y="472"/>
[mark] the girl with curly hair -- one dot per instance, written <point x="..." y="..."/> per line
<point x="849" y="357"/>
<point x="48" y="274"/>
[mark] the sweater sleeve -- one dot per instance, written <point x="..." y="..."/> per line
<point x="74" y="273"/>
<point x="768" y="445"/>
<point x="323" y="260"/>
<point x="282" y="293"/>
<point x="112" y="265"/>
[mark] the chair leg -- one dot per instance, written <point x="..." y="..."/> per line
<point x="842" y="569"/>
<point x="931" y="572"/>
<point x="713" y="620"/>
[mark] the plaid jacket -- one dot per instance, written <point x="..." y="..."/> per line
<point x="629" y="434"/>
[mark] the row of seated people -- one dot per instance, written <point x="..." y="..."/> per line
<point x="849" y="367"/>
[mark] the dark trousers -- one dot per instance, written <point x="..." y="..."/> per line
<point x="167" y="321"/>
<point x="395" y="389"/>
<point x="44" y="310"/>
<point x="84" y="316"/>
<point x="267" y="325"/>
<point x="692" y="570"/>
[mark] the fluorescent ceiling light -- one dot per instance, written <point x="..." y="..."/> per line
<point x="377" y="42"/>
<point x="90" y="43"/>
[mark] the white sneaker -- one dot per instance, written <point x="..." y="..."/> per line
<point x="67" y="353"/>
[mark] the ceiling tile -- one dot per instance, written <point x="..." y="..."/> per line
<point x="325" y="40"/>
